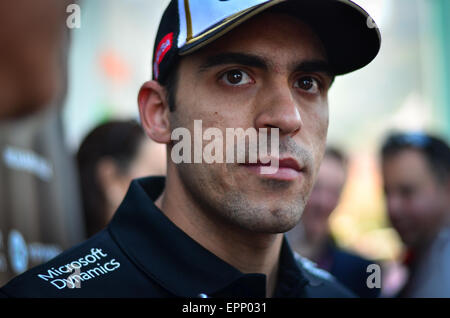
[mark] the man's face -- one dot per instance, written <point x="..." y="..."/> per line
<point x="416" y="202"/>
<point x="268" y="73"/>
<point x="324" y="198"/>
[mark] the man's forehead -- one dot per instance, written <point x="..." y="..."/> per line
<point x="408" y="163"/>
<point x="408" y="154"/>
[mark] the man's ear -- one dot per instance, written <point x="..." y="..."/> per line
<point x="154" y="112"/>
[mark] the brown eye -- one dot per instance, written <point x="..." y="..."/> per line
<point x="236" y="78"/>
<point x="308" y="84"/>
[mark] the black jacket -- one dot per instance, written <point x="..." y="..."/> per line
<point x="351" y="271"/>
<point x="143" y="254"/>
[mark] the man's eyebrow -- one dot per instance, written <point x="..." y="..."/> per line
<point x="234" y="58"/>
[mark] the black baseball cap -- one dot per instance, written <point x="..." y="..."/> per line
<point x="350" y="36"/>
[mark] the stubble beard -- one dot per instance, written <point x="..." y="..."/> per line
<point x="226" y="202"/>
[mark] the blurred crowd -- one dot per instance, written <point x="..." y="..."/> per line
<point x="52" y="199"/>
<point x="415" y="168"/>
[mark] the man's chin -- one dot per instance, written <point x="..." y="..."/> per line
<point x="270" y="219"/>
<point x="279" y="228"/>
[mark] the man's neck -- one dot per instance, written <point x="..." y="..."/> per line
<point x="247" y="251"/>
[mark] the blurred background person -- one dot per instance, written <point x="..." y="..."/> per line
<point x="40" y="211"/>
<point x="109" y="158"/>
<point x="416" y="175"/>
<point x="31" y="72"/>
<point x="312" y="237"/>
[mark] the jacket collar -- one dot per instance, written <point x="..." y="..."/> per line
<point x="178" y="263"/>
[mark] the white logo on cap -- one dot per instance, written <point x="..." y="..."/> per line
<point x="371" y="23"/>
<point x="204" y="14"/>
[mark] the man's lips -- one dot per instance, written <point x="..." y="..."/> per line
<point x="290" y="163"/>
<point x="287" y="168"/>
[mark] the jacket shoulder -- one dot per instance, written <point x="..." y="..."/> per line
<point x="321" y="284"/>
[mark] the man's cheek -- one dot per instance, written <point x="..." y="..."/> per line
<point x="316" y="120"/>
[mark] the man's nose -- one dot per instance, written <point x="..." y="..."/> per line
<point x="278" y="109"/>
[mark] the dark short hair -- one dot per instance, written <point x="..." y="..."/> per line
<point x="117" y="140"/>
<point x="170" y="84"/>
<point x="435" y="150"/>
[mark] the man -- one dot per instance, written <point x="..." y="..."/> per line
<point x="215" y="230"/>
<point x="311" y="238"/>
<point x="416" y="174"/>
<point x="40" y="213"/>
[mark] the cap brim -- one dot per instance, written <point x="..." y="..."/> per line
<point x="350" y="36"/>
